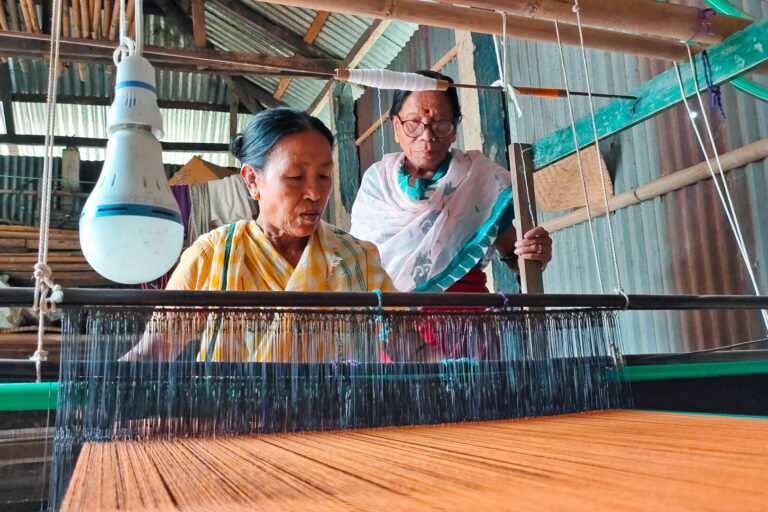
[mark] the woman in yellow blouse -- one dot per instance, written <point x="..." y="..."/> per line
<point x="287" y="164"/>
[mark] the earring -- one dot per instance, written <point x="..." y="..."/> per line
<point x="397" y="139"/>
<point x="256" y="197"/>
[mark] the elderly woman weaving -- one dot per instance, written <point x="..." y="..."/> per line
<point x="437" y="215"/>
<point x="287" y="166"/>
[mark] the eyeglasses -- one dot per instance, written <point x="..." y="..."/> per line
<point x="440" y="129"/>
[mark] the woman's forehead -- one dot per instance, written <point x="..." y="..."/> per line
<point x="427" y="103"/>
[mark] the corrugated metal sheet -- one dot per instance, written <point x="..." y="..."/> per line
<point x="171" y="85"/>
<point x="20" y="186"/>
<point x="90" y="121"/>
<point x="679" y="243"/>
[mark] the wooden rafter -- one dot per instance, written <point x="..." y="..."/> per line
<point x="35" y="46"/>
<point x="355" y="55"/>
<point x="277" y="33"/>
<point x="198" y="23"/>
<point x="312" y="32"/>
<point x="5" y="97"/>
<point x="733" y="57"/>
<point x="104" y="101"/>
<point x="247" y="92"/>
<point x="85" y="142"/>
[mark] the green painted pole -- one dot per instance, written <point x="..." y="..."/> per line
<point x="736" y="55"/>
<point x="29" y="396"/>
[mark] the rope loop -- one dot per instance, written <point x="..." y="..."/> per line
<point x="621" y="292"/>
<point x="46" y="303"/>
<point x="39" y="356"/>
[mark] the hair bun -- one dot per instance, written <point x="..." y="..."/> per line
<point x="236" y="145"/>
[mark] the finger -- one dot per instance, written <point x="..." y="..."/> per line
<point x="544" y="242"/>
<point x="537" y="232"/>
<point x="542" y="258"/>
<point x="533" y="249"/>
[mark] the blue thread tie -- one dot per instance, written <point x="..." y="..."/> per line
<point x="714" y="90"/>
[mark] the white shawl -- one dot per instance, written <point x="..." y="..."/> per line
<point x="429" y="244"/>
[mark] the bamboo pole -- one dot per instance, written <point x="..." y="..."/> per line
<point x="490" y="22"/>
<point x="106" y="19"/>
<point x="26" y="15"/>
<point x="658" y="19"/>
<point x="15" y="24"/>
<point x="675" y="181"/>
<point x="115" y="24"/>
<point x="96" y="19"/>
<point x="34" y="17"/>
<point x="65" y="18"/>
<point x="3" y="19"/>
<point x="77" y="20"/>
<point x="85" y="18"/>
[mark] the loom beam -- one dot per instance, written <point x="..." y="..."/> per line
<point x="20" y="297"/>
<point x="733" y="57"/>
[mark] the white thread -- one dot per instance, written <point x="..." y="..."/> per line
<point x="381" y="126"/>
<point x="723" y="192"/>
<point x="43" y="281"/>
<point x="386" y="79"/>
<point x="501" y="62"/>
<point x="127" y="46"/>
<point x="578" y="159"/>
<point x="600" y="170"/>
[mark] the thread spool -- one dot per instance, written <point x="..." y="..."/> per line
<point x="385" y="79"/>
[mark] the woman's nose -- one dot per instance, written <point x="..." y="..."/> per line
<point x="427" y="133"/>
<point x="313" y="190"/>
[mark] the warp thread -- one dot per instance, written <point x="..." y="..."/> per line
<point x="714" y="90"/>
<point x="385" y="79"/>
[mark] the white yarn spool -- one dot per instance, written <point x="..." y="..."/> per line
<point x="385" y="79"/>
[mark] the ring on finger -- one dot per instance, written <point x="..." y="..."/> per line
<point x="540" y="249"/>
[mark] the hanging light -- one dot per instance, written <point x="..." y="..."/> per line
<point x="131" y="229"/>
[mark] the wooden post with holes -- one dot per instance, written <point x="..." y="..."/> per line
<point x="523" y="194"/>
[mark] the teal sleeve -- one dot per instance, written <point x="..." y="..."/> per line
<point x="507" y="218"/>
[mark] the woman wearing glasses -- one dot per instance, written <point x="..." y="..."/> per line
<point x="436" y="214"/>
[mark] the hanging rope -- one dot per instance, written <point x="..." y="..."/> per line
<point x="600" y="169"/>
<point x="721" y="185"/>
<point x="127" y="46"/>
<point x="578" y="159"/>
<point x="501" y="62"/>
<point x="47" y="293"/>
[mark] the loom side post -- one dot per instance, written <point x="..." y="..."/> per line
<point x="524" y="197"/>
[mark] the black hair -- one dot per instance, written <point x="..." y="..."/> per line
<point x="399" y="97"/>
<point x="266" y="128"/>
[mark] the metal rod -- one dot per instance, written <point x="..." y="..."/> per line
<point x="545" y="92"/>
<point x="175" y="298"/>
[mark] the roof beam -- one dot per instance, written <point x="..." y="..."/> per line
<point x="105" y="102"/>
<point x="247" y="92"/>
<point x="272" y="30"/>
<point x="198" y="23"/>
<point x="86" y="142"/>
<point x="5" y="97"/>
<point x="312" y="32"/>
<point x="735" y="56"/>
<point x="35" y="46"/>
<point x="659" y="19"/>
<point x="355" y="55"/>
<point x="489" y="22"/>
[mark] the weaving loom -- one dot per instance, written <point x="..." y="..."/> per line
<point x="313" y="428"/>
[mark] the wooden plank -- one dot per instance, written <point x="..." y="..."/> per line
<point x="521" y="167"/>
<point x="355" y="55"/>
<point x="105" y="101"/>
<point x="5" y="97"/>
<point x="198" y="23"/>
<point x="55" y="245"/>
<point x="317" y="25"/>
<point x="282" y="87"/>
<point x="55" y="266"/>
<point x="346" y="168"/>
<point x="733" y="57"/>
<point x="7" y="244"/>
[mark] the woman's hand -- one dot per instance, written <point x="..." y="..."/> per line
<point x="536" y="245"/>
